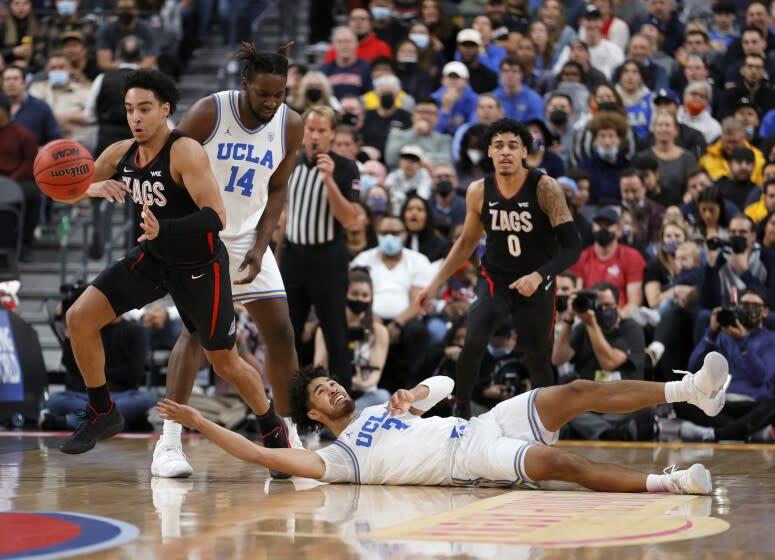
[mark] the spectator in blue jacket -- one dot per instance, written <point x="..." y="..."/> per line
<point x="608" y="157"/>
<point x="30" y="112"/>
<point x="457" y="101"/>
<point x="518" y="100"/>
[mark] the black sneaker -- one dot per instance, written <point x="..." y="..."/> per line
<point x="95" y="426"/>
<point x="276" y="437"/>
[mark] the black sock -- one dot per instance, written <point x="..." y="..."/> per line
<point x="268" y="420"/>
<point x="99" y="398"/>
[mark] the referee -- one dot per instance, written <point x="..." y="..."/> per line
<point x="314" y="262"/>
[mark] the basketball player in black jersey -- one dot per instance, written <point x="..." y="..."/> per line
<point x="530" y="238"/>
<point x="168" y="177"/>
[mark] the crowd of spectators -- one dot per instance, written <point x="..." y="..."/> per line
<point x="657" y="118"/>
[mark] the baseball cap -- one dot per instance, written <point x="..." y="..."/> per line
<point x="667" y="94"/>
<point x="725" y="7"/>
<point x="412" y="151"/>
<point x="469" y="36"/>
<point x="591" y="12"/>
<point x="741" y="153"/>
<point x="455" y="67"/>
<point x="746" y="102"/>
<point x="606" y="214"/>
<point x="73" y="35"/>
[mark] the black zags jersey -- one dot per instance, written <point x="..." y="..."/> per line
<point x="152" y="184"/>
<point x="520" y="237"/>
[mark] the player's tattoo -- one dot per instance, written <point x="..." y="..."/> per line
<point x="551" y="199"/>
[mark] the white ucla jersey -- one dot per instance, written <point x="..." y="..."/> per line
<point x="376" y="448"/>
<point x="242" y="161"/>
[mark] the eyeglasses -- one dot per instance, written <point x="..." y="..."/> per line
<point x="754" y="66"/>
<point x="740" y="232"/>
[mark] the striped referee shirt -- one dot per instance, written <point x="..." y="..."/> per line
<point x="310" y="218"/>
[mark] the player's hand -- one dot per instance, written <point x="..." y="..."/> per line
<point x="111" y="190"/>
<point x="400" y="402"/>
<point x="527" y="285"/>
<point x="180" y="413"/>
<point x="424" y="297"/>
<point x="251" y="262"/>
<point x="149" y="225"/>
<point x="325" y="165"/>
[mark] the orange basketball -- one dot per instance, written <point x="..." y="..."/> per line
<point x="63" y="169"/>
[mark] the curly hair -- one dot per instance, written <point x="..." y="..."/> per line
<point x="263" y="62"/>
<point x="508" y="125"/>
<point x="299" y="397"/>
<point x="162" y="86"/>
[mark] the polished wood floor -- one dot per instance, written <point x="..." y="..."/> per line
<point x="229" y="509"/>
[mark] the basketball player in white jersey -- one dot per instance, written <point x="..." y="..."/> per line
<point x="251" y="138"/>
<point x="510" y="444"/>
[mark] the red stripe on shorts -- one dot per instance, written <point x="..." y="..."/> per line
<point x="138" y="260"/>
<point x="210" y="242"/>
<point x="490" y="283"/>
<point x="216" y="296"/>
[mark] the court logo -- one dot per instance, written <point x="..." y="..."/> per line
<point x="11" y="380"/>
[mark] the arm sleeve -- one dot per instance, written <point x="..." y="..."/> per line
<point x="203" y="221"/>
<point x="568" y="252"/>
<point x="439" y="387"/>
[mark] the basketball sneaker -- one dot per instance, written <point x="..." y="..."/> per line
<point x="694" y="480"/>
<point x="169" y="461"/>
<point x="95" y="426"/>
<point x="274" y="434"/>
<point x="707" y="387"/>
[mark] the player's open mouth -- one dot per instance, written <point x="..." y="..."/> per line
<point x="338" y="397"/>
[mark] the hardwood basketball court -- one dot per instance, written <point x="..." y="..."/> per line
<point x="229" y="509"/>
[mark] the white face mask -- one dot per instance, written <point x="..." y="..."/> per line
<point x="475" y="156"/>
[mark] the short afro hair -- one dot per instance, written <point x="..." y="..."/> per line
<point x="508" y="125"/>
<point x="299" y="397"/>
<point x="162" y="86"/>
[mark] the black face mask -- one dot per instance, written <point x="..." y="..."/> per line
<point x="387" y="100"/>
<point x="314" y="94"/>
<point x="558" y="117"/>
<point x="750" y="316"/>
<point x="126" y="18"/>
<point x="608" y="106"/>
<point x="603" y="237"/>
<point x="739" y="244"/>
<point x="443" y="188"/>
<point x="349" y="119"/>
<point x="358" y="306"/>
<point x="606" y="318"/>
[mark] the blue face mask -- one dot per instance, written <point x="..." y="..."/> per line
<point x="380" y="13"/>
<point x="390" y="244"/>
<point x="607" y="154"/>
<point x="378" y="205"/>
<point x="670" y="246"/>
<point x="367" y="182"/>
<point x="749" y="131"/>
<point x="498" y="352"/>
<point x="66" y="8"/>
<point x="420" y="40"/>
<point x="58" y="77"/>
<point x="606" y="318"/>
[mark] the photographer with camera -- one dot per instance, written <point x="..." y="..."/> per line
<point x="367" y="341"/>
<point x="503" y="373"/>
<point x="738" y="334"/>
<point x="604" y="346"/>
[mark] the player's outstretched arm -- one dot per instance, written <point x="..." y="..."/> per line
<point x="463" y="247"/>
<point x="189" y="161"/>
<point x="103" y="185"/>
<point x="297" y="462"/>
<point x="420" y="399"/>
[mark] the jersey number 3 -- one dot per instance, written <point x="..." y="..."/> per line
<point x="245" y="182"/>
<point x="515" y="248"/>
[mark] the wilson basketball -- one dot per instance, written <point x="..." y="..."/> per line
<point x="63" y="169"/>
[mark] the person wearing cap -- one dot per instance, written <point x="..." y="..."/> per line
<point x="49" y="34"/>
<point x="663" y="15"/>
<point x="369" y="45"/>
<point x="696" y="108"/>
<point x="411" y="175"/>
<point x="448" y="207"/>
<point x="737" y="187"/>
<point x="607" y="260"/>
<point x="18" y="149"/>
<point x="83" y="67"/>
<point x="716" y="160"/>
<point x="435" y="145"/>
<point x="614" y="29"/>
<point x="724" y="29"/>
<point x="518" y="100"/>
<point x="490" y="54"/>
<point x="347" y="74"/>
<point x="469" y="45"/>
<point x="456" y="99"/>
<point x="748" y="114"/>
<point x="753" y="87"/>
<point x="691" y="140"/>
<point x="604" y="55"/>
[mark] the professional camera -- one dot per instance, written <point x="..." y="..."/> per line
<point x="586" y="300"/>
<point x="736" y="243"/>
<point x="727" y="317"/>
<point x="561" y="304"/>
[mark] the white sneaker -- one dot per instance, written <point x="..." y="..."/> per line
<point x="708" y="385"/>
<point x="293" y="434"/>
<point x="694" y="480"/>
<point x="169" y="461"/>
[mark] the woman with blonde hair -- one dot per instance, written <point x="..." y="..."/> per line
<point x="552" y="14"/>
<point x="314" y="89"/>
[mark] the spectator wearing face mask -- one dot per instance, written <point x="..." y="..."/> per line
<point x="608" y="160"/>
<point x="127" y="23"/>
<point x="385" y="26"/>
<point x="387" y="116"/>
<point x="695" y="111"/>
<point x="502" y="374"/>
<point x="447" y="206"/>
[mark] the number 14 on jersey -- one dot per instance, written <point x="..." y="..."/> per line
<point x="244" y="182"/>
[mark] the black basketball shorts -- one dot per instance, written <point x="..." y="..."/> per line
<point x="202" y="294"/>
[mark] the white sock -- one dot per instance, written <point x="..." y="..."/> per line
<point x="676" y="391"/>
<point x="658" y="483"/>
<point x="171" y="431"/>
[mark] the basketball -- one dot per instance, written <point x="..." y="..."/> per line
<point x="63" y="169"/>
